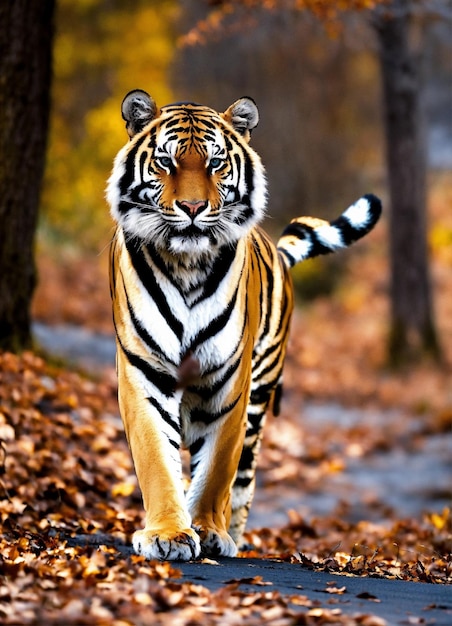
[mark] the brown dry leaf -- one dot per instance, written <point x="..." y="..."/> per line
<point x="255" y="580"/>
<point x="331" y="588"/>
<point x="365" y="595"/>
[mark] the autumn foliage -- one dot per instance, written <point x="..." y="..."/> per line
<point x="216" y="22"/>
<point x="69" y="504"/>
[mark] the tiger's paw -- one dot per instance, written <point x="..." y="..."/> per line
<point x="183" y="546"/>
<point x="217" y="543"/>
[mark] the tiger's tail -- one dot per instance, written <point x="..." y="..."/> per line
<point x="307" y="237"/>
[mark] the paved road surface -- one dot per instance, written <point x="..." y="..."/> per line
<point x="398" y="602"/>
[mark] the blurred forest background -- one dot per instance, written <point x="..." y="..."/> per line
<point x="317" y="86"/>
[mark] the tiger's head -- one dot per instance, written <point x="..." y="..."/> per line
<point x="187" y="182"/>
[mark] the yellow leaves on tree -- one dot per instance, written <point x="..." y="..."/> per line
<point x="101" y="51"/>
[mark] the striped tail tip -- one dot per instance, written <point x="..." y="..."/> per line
<point x="307" y="237"/>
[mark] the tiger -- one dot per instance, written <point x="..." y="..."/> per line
<point x="202" y="301"/>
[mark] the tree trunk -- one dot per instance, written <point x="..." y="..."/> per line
<point x="412" y="333"/>
<point x="26" y="30"/>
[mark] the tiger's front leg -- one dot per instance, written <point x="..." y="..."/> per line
<point x="153" y="433"/>
<point x="215" y="455"/>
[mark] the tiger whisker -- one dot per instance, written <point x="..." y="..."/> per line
<point x="141" y="205"/>
<point x="109" y="243"/>
<point x="232" y="205"/>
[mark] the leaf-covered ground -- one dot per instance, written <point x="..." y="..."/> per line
<point x="67" y="483"/>
<point x="66" y="473"/>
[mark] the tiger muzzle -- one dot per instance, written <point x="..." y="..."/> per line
<point x="192" y="208"/>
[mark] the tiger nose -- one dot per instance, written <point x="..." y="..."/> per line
<point x="193" y="208"/>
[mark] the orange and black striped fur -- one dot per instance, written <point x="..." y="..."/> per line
<point x="202" y="301"/>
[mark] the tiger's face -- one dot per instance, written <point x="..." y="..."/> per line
<point x="188" y="181"/>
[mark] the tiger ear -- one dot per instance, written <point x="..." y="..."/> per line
<point x="243" y="116"/>
<point x="138" y="109"/>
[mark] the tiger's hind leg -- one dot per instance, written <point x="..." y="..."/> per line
<point x="245" y="481"/>
<point x="243" y="489"/>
